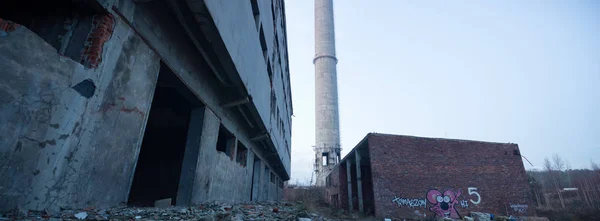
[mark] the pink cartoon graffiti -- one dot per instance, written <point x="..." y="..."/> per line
<point x="444" y="204"/>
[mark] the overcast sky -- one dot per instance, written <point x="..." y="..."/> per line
<point x="525" y="72"/>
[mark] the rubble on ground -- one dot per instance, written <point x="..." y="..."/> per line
<point x="205" y="212"/>
<point x="292" y="211"/>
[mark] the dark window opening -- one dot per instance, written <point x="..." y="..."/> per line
<point x="272" y="178"/>
<point x="270" y="73"/>
<point x="226" y="142"/>
<point x="273" y="103"/>
<point x="263" y="45"/>
<point x="63" y="24"/>
<point x="255" y="13"/>
<point x="325" y="157"/>
<point x="158" y="168"/>
<point x="242" y="154"/>
<point x="273" y="13"/>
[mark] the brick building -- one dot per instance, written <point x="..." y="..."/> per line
<point x="131" y="101"/>
<point x="417" y="177"/>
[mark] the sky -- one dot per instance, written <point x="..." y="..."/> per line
<point x="525" y="72"/>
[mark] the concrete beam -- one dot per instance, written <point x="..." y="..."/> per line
<point x="250" y="124"/>
<point x="236" y="102"/>
<point x="261" y="137"/>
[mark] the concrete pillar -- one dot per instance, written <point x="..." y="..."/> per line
<point x="359" y="183"/>
<point x="349" y="175"/>
<point x="256" y="179"/>
<point x="204" y="182"/>
<point x="266" y="182"/>
<point x="190" y="157"/>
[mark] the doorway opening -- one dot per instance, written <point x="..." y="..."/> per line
<point x="159" y="164"/>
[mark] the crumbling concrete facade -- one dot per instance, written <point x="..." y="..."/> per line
<point x="398" y="176"/>
<point x="110" y="101"/>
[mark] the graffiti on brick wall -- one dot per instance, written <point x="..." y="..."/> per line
<point x="409" y="202"/>
<point x="442" y="204"/>
<point x="445" y="204"/>
<point x="520" y="208"/>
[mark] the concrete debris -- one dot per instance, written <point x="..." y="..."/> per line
<point x="81" y="215"/>
<point x="164" y="203"/>
<point x="477" y="216"/>
<point x="205" y="212"/>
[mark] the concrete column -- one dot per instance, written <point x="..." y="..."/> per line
<point x="349" y="175"/>
<point x="190" y="157"/>
<point x="267" y="181"/>
<point x="359" y="183"/>
<point x="256" y="179"/>
<point x="203" y="184"/>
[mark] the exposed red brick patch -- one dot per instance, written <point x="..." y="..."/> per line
<point x="7" y="25"/>
<point x="102" y="30"/>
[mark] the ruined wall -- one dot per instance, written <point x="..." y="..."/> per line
<point x="218" y="176"/>
<point x="74" y="127"/>
<point x="425" y="177"/>
<point x="332" y="188"/>
<point x="71" y="134"/>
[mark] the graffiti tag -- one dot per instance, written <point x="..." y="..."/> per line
<point x="464" y="204"/>
<point x="411" y="203"/>
<point x="521" y="208"/>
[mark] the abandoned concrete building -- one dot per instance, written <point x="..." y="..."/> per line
<point x="105" y="102"/>
<point x="416" y="177"/>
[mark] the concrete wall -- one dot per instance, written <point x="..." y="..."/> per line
<point x="59" y="148"/>
<point x="410" y="172"/>
<point x="66" y="147"/>
<point x="237" y="28"/>
<point x="218" y="176"/>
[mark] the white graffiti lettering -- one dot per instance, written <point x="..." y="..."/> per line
<point x="411" y="203"/>
<point x="521" y="208"/>
<point x="464" y="204"/>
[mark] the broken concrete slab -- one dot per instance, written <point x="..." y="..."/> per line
<point x="164" y="203"/>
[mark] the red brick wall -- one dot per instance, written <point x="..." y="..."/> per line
<point x="103" y="26"/>
<point x="409" y="169"/>
<point x="8" y="26"/>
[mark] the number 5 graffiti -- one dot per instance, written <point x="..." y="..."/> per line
<point x="473" y="190"/>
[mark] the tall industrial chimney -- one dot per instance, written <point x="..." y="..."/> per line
<point x="327" y="144"/>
